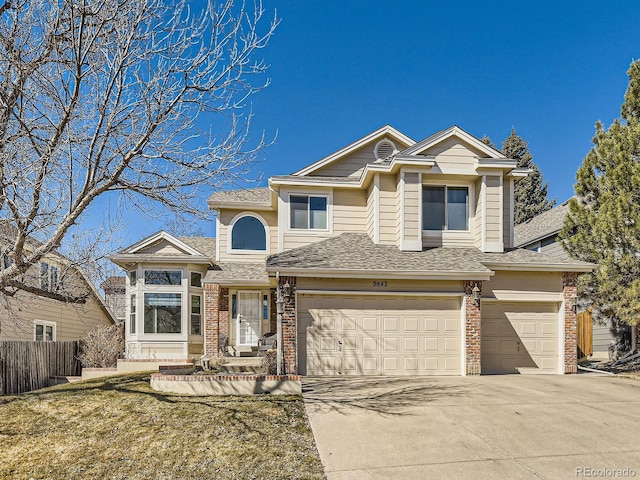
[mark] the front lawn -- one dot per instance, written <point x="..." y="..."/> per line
<point x="118" y="428"/>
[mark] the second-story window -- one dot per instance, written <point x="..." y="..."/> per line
<point x="48" y="277"/>
<point x="308" y="212"/>
<point x="445" y="208"/>
<point x="248" y="234"/>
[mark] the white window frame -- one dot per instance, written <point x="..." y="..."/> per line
<point x="470" y="206"/>
<point x="44" y="324"/>
<point x="307" y="231"/>
<point x="132" y="312"/>
<point x="183" y="324"/>
<point x="232" y="224"/>
<point x="157" y="269"/>
<point x="200" y="296"/>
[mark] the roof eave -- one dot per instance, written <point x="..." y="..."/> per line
<point x="541" y="267"/>
<point x="131" y="258"/>
<point x="396" y="274"/>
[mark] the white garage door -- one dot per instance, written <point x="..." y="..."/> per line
<point x="374" y="335"/>
<point x="519" y="337"/>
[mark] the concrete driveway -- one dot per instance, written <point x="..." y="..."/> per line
<point x="502" y="427"/>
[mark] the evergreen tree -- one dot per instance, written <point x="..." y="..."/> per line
<point x="487" y="141"/>
<point x="603" y="224"/>
<point x="530" y="192"/>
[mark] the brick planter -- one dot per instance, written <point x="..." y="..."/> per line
<point x="227" y="384"/>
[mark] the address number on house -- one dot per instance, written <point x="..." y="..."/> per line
<point x="379" y="283"/>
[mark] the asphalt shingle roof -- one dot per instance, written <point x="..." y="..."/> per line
<point x="540" y="226"/>
<point x="229" y="272"/>
<point x="247" y="195"/>
<point x="205" y="245"/>
<point x="356" y="251"/>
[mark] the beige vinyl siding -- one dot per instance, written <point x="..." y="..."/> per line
<point x="545" y="282"/>
<point x="506" y="213"/>
<point x="72" y="321"/>
<point x="453" y="154"/>
<point x="349" y="211"/>
<point x="493" y="210"/>
<point x="388" y="206"/>
<point x="393" y="285"/>
<point x="226" y="216"/>
<point x="371" y="208"/>
<point x="161" y="248"/>
<point x="412" y="221"/>
<point x="399" y="212"/>
<point x="351" y="165"/>
<point x="478" y="216"/>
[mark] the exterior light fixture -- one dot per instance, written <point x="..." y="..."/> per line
<point x="476" y="295"/>
<point x="573" y="299"/>
<point x="286" y="290"/>
<point x="280" y="305"/>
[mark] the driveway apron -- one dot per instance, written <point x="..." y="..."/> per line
<point x="511" y="426"/>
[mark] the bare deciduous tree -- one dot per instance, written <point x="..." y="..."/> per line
<point x="146" y="98"/>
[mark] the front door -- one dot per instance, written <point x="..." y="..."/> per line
<point x="248" y="318"/>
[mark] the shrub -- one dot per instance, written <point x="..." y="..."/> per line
<point x="102" y="346"/>
<point x="269" y="362"/>
<point x="212" y="364"/>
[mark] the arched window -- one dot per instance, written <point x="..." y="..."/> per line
<point x="248" y="234"/>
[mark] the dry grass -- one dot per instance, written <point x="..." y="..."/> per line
<point x="118" y="428"/>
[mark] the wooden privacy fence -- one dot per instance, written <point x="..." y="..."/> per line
<point x="26" y="366"/>
<point x="585" y="334"/>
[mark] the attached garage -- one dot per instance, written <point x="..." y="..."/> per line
<point x="520" y="337"/>
<point x="356" y="334"/>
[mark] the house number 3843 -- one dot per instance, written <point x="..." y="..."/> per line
<point x="379" y="283"/>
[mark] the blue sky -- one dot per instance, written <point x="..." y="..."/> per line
<point x="342" y="69"/>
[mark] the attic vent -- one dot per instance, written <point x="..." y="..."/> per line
<point x="383" y="149"/>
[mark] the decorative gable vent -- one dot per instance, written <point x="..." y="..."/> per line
<point x="383" y="149"/>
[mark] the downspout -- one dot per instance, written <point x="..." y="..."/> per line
<point x="280" y="311"/>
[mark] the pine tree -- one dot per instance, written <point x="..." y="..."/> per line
<point x="603" y="224"/>
<point x="530" y="193"/>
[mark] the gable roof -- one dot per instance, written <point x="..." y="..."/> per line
<point x="541" y="226"/>
<point x="352" y="255"/>
<point x="452" y="131"/>
<point x="385" y="131"/>
<point x="194" y="250"/>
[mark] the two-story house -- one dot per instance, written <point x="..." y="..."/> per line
<point x="28" y="316"/>
<point x="394" y="257"/>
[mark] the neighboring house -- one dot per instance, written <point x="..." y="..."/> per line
<point x="540" y="234"/>
<point x="115" y="291"/>
<point x="395" y="258"/>
<point x="27" y="316"/>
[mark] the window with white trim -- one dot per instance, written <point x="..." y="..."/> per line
<point x="162" y="277"/>
<point x="248" y="233"/>
<point x="308" y="212"/>
<point x="162" y="313"/>
<point x="133" y="277"/>
<point x="196" y="315"/>
<point x="132" y="314"/>
<point x="44" y="331"/>
<point x="196" y="279"/>
<point x="445" y="208"/>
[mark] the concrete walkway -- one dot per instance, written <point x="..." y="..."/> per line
<point x="493" y="427"/>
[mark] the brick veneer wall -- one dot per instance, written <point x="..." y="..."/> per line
<point x="472" y="334"/>
<point x="216" y="316"/>
<point x="569" y="281"/>
<point x="289" y="328"/>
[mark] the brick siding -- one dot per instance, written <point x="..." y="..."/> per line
<point x="569" y="281"/>
<point x="216" y="316"/>
<point x="289" y="328"/>
<point x="472" y="325"/>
